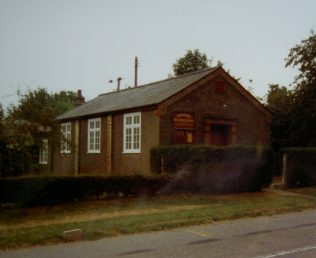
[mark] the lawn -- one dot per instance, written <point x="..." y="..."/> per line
<point x="311" y="191"/>
<point x="20" y="227"/>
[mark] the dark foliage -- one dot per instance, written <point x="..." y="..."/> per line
<point x="208" y="169"/>
<point x="192" y="61"/>
<point x="303" y="115"/>
<point x="301" y="164"/>
<point x="280" y="103"/>
<point x="294" y="111"/>
<point x="36" y="191"/>
<point x="25" y="125"/>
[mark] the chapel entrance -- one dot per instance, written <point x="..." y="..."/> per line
<point x="220" y="132"/>
<point x="220" y="135"/>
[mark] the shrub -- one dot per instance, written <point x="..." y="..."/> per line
<point x="15" y="162"/>
<point x="210" y="169"/>
<point x="33" y="191"/>
<point x="300" y="167"/>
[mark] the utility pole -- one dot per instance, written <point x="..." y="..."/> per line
<point x="136" y="71"/>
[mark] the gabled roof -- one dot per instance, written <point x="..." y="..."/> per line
<point x="141" y="96"/>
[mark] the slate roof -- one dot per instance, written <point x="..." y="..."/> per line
<point x="145" y="95"/>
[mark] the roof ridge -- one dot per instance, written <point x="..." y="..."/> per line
<point x="163" y="80"/>
<point x="180" y="76"/>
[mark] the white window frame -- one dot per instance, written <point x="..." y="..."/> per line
<point x="65" y="145"/>
<point x="43" y="153"/>
<point x="132" y="123"/>
<point x="94" y="147"/>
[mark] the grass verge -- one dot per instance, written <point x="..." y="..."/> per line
<point x="43" y="225"/>
<point x="311" y="191"/>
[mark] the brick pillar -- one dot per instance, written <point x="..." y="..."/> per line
<point x="109" y="144"/>
<point x="284" y="169"/>
<point x="76" y="150"/>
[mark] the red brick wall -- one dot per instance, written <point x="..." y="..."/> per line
<point x="92" y="163"/>
<point x="63" y="163"/>
<point x="88" y="163"/>
<point x="46" y="168"/>
<point x="228" y="103"/>
<point x="135" y="163"/>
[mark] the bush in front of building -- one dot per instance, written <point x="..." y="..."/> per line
<point x="210" y="169"/>
<point x="17" y="162"/>
<point x="300" y="167"/>
<point x="35" y="191"/>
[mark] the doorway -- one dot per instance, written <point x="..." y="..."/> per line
<point x="220" y="134"/>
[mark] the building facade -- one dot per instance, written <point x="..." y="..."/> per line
<point x="114" y="133"/>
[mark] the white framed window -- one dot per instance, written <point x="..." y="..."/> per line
<point x="132" y="133"/>
<point x="65" y="146"/>
<point x="94" y="135"/>
<point x="43" y="152"/>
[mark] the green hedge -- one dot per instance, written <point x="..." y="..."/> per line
<point x="209" y="169"/>
<point x="34" y="191"/>
<point x="300" y="167"/>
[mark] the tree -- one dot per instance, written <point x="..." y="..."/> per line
<point x="2" y="140"/>
<point x="280" y="103"/>
<point x="36" y="113"/>
<point x="303" y="116"/>
<point x="192" y="61"/>
<point x="294" y="111"/>
<point x="1" y="121"/>
<point x="31" y="120"/>
<point x="303" y="55"/>
<point x="41" y="107"/>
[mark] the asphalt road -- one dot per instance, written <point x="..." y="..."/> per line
<point x="289" y="235"/>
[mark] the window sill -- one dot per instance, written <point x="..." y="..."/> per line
<point x="131" y="152"/>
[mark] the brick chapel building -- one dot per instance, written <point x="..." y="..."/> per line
<point x="114" y="133"/>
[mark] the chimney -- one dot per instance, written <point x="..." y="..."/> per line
<point x="79" y="99"/>
<point x="119" y="83"/>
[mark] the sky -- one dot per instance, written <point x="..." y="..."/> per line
<point x="82" y="44"/>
